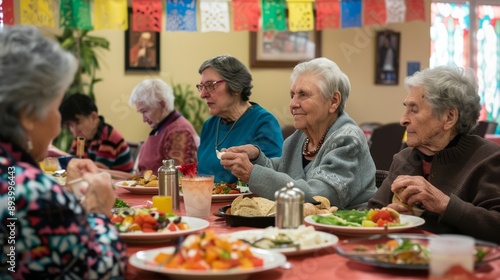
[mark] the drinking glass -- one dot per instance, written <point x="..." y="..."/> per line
<point x="450" y="250"/>
<point x="197" y="194"/>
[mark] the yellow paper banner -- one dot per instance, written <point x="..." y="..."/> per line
<point x="110" y="14"/>
<point x="300" y="15"/>
<point x="37" y="12"/>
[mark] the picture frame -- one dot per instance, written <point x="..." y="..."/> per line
<point x="387" y="57"/>
<point x="283" y="49"/>
<point x="142" y="49"/>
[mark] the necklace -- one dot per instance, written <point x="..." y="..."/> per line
<point x="307" y="153"/>
<point x="217" y="143"/>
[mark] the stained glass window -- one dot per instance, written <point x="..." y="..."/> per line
<point x="452" y="25"/>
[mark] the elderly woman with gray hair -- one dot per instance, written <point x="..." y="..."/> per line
<point x="226" y="86"/>
<point x="46" y="232"/>
<point x="327" y="156"/>
<point x="173" y="136"/>
<point x="447" y="175"/>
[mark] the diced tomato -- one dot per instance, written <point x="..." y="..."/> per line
<point x="116" y="219"/>
<point x="382" y="214"/>
<point x="138" y="219"/>
<point x="146" y="229"/>
<point x="257" y="262"/>
<point x="234" y="192"/>
<point x="172" y="227"/>
<point x="149" y="219"/>
<point x="146" y="225"/>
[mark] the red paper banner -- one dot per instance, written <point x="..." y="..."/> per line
<point x="246" y="15"/>
<point x="327" y="14"/>
<point x="415" y="10"/>
<point x="146" y="15"/>
<point x="7" y="8"/>
<point x="374" y="12"/>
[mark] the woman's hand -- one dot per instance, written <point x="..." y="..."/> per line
<point x="236" y="160"/>
<point x="251" y="151"/>
<point x="78" y="167"/>
<point x="100" y="196"/>
<point x="414" y="190"/>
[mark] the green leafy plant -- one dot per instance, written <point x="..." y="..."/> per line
<point x="85" y="48"/>
<point x="190" y="105"/>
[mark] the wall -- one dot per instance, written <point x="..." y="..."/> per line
<point x="182" y="52"/>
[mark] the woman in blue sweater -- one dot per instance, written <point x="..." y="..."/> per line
<point x="226" y="85"/>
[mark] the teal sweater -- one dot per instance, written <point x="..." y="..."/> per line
<point x="256" y="126"/>
<point x="342" y="171"/>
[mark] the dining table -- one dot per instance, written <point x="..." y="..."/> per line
<point x="322" y="263"/>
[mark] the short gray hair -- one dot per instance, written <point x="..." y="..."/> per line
<point x="331" y="78"/>
<point x="150" y="92"/>
<point x="234" y="72"/>
<point x="448" y="87"/>
<point x="34" y="71"/>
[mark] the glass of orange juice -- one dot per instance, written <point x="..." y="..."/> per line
<point x="50" y="164"/>
<point x="163" y="203"/>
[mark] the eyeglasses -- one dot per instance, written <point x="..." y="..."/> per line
<point x="209" y="86"/>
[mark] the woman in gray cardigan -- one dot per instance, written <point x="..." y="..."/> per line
<point x="327" y="156"/>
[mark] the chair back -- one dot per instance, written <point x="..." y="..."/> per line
<point x="386" y="141"/>
<point x="480" y="129"/>
<point x="287" y="131"/>
<point x="492" y="127"/>
<point x="380" y="176"/>
<point x="134" y="149"/>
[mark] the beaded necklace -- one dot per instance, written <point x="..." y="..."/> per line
<point x="307" y="153"/>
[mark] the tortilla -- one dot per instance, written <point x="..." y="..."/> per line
<point x="252" y="207"/>
<point x="416" y="210"/>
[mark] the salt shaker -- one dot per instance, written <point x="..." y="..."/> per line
<point x="289" y="207"/>
<point x="168" y="182"/>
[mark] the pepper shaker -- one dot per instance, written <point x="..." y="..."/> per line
<point x="289" y="207"/>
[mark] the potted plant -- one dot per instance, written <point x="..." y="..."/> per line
<point x="190" y="105"/>
<point x="84" y="47"/>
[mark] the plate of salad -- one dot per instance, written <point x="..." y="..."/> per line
<point x="147" y="225"/>
<point x="404" y="251"/>
<point x="365" y="222"/>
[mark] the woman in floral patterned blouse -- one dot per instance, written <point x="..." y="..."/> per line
<point x="45" y="232"/>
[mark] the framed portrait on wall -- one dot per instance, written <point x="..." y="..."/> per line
<point x="277" y="49"/>
<point x="142" y="49"/>
<point x="387" y="58"/>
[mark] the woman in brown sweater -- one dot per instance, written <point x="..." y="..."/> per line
<point x="452" y="175"/>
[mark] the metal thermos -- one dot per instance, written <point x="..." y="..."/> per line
<point x="289" y="207"/>
<point x="169" y="182"/>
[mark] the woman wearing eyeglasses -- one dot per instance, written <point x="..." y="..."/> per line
<point x="226" y="86"/>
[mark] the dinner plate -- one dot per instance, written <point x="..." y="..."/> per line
<point x="137" y="189"/>
<point x="327" y="240"/>
<point x="408" y="222"/>
<point x="236" y="221"/>
<point x="195" y="224"/>
<point x="349" y="248"/>
<point x="144" y="260"/>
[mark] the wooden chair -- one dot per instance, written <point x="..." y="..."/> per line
<point x="480" y="129"/>
<point x="134" y="149"/>
<point x="287" y="131"/>
<point x="385" y="141"/>
<point x="380" y="176"/>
